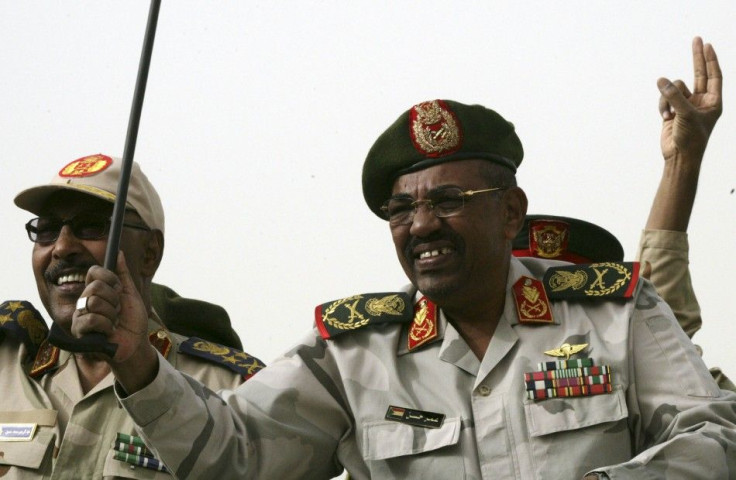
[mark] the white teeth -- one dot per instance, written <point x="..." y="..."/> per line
<point x="74" y="277"/>
<point x="434" y="253"/>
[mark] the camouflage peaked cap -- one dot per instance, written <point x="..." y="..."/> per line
<point x="98" y="175"/>
<point x="435" y="132"/>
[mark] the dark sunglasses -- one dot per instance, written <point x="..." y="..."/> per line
<point x="85" y="226"/>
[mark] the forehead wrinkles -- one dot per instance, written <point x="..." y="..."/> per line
<point x="465" y="174"/>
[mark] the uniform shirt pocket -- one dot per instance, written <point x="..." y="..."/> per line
<point x="388" y="439"/>
<point x="573" y="435"/>
<point x="397" y="450"/>
<point x="33" y="453"/>
<point x="572" y="413"/>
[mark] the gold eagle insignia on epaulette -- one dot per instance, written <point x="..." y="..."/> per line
<point x="358" y="311"/>
<point x="595" y="280"/>
<point x="228" y="357"/>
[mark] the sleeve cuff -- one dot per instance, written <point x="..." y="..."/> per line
<point x="154" y="400"/>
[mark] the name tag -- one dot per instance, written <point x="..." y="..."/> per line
<point x="17" y="432"/>
<point x="417" y="418"/>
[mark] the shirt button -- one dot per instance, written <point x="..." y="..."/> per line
<point x="484" y="390"/>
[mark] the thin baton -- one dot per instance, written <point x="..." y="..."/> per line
<point x="97" y="342"/>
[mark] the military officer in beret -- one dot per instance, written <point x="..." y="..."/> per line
<point x="59" y="417"/>
<point x="485" y="366"/>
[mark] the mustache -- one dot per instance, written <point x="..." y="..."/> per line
<point x="448" y="235"/>
<point x="54" y="271"/>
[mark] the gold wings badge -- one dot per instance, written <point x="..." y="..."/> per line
<point x="566" y="350"/>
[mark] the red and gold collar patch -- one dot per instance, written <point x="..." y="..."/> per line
<point x="548" y="238"/>
<point x="424" y="326"/>
<point x="46" y="358"/>
<point x="434" y="129"/>
<point x="532" y="304"/>
<point x="160" y="341"/>
<point x="86" y="166"/>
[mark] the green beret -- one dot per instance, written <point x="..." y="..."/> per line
<point x="568" y="239"/>
<point x="193" y="318"/>
<point x="436" y="132"/>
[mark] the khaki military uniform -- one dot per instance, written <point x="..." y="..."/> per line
<point x="74" y="432"/>
<point x="668" y="253"/>
<point x="331" y="404"/>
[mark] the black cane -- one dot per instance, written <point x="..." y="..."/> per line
<point x="96" y="342"/>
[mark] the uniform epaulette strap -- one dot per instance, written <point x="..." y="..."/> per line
<point x="595" y="280"/>
<point x="359" y="311"/>
<point x="236" y="360"/>
<point x="22" y="321"/>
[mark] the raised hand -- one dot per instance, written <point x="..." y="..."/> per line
<point x="115" y="308"/>
<point x="689" y="117"/>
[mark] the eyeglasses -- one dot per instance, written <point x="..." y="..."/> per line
<point x="446" y="202"/>
<point x="85" y="226"/>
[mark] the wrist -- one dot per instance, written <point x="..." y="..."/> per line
<point x="138" y="370"/>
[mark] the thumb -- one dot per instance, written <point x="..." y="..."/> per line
<point x="672" y="96"/>
<point x="126" y="281"/>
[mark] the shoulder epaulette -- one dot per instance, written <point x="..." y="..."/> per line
<point x="359" y="311"/>
<point x="22" y="321"/>
<point x="595" y="280"/>
<point x="228" y="357"/>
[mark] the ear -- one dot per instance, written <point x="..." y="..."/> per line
<point x="515" y="204"/>
<point x="153" y="253"/>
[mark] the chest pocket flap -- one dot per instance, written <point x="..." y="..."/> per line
<point x="31" y="453"/>
<point x="388" y="439"/>
<point x="572" y="413"/>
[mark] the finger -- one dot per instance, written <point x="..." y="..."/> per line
<point x="682" y="88"/>
<point x="100" y="299"/>
<point x="90" y="322"/>
<point x="101" y="285"/>
<point x="713" y="69"/>
<point x="101" y="274"/>
<point x="674" y="97"/>
<point x="700" y="83"/>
